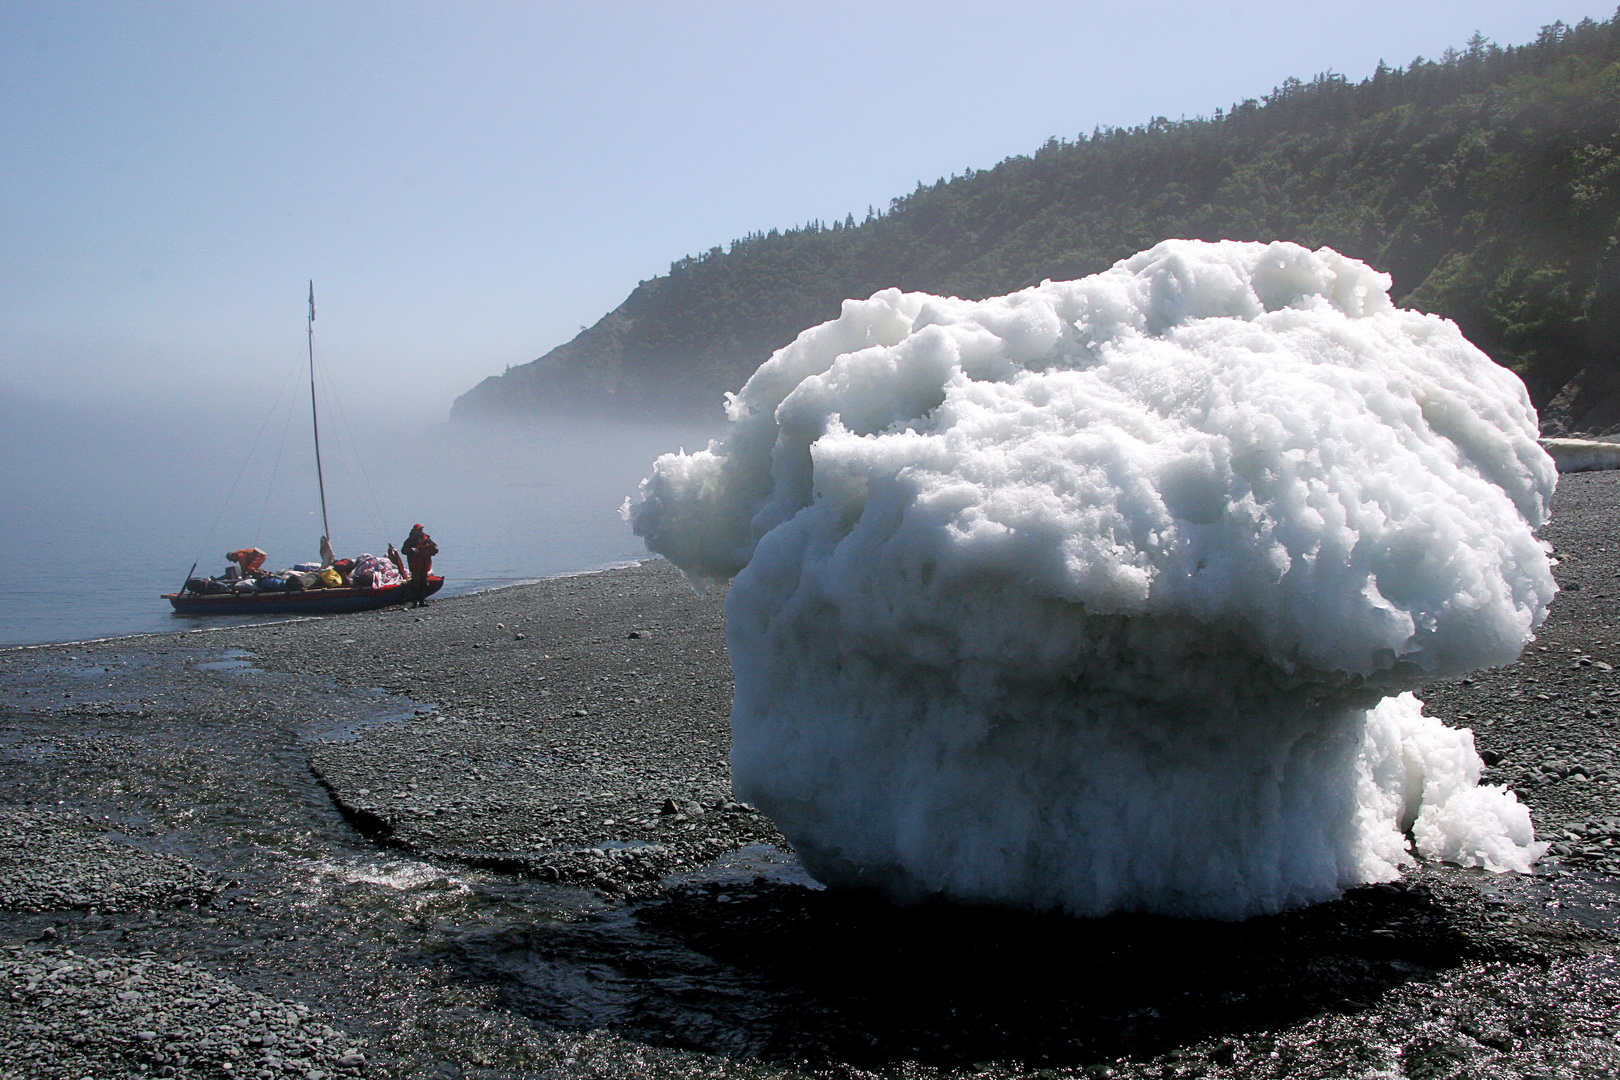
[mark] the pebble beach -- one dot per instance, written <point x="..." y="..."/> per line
<point x="495" y="837"/>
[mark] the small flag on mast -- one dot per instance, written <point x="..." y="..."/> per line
<point x="312" y="301"/>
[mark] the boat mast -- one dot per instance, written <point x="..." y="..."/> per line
<point x="314" y="418"/>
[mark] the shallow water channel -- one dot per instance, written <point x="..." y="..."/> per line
<point x="198" y="754"/>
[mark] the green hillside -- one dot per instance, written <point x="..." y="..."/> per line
<point x="1487" y="182"/>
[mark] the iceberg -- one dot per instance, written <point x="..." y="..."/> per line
<point x="1110" y="594"/>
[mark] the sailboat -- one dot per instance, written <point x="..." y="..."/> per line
<point x="196" y="600"/>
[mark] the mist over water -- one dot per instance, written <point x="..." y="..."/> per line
<point x="107" y="509"/>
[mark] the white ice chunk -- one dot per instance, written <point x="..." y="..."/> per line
<point x="1080" y="597"/>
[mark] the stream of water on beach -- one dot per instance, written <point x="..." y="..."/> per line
<point x="106" y="510"/>
<point x="742" y="968"/>
<point x="310" y="909"/>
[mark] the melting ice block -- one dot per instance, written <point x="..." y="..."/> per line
<point x="1107" y="595"/>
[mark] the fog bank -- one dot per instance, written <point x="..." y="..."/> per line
<point x="107" y="508"/>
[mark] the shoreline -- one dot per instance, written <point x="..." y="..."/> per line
<point x="511" y="583"/>
<point x="496" y="838"/>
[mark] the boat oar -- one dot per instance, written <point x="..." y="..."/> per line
<point x="193" y="570"/>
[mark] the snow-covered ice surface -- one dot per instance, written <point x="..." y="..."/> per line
<point x="1583" y="455"/>
<point x="1106" y="595"/>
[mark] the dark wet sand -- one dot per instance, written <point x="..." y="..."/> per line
<point x="495" y="838"/>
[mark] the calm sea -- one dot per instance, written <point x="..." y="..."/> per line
<point x="108" y="509"/>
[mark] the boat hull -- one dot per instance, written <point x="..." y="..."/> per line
<point x="307" y="602"/>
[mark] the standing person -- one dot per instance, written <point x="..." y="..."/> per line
<point x="419" y="550"/>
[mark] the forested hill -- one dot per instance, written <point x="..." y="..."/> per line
<point x="1487" y="182"/>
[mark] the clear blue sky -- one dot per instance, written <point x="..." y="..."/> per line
<point x="469" y="183"/>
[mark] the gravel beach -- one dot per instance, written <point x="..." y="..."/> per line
<point x="495" y="838"/>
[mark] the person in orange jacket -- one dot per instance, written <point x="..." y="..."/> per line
<point x="249" y="559"/>
<point x="419" y="550"/>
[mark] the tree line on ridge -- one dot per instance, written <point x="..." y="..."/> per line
<point x="1486" y="182"/>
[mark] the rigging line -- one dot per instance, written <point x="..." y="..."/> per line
<point x="364" y="490"/>
<point x="246" y="461"/>
<point x="365" y="494"/>
<point x="314" y="421"/>
<point x="275" y="471"/>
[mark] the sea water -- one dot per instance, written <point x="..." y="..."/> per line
<point x="107" y="509"/>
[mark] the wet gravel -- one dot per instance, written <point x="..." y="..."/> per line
<point x="73" y="1016"/>
<point x="574" y="730"/>
<point x="495" y="838"/>
<point x="52" y="861"/>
